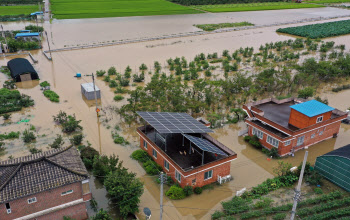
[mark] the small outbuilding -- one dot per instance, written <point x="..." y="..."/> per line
<point x="87" y="89"/>
<point x="335" y="166"/>
<point x="22" y="70"/>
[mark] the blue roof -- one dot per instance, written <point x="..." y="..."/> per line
<point x="37" y="13"/>
<point x="312" y="108"/>
<point x="27" y="34"/>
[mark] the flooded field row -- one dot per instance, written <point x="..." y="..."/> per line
<point x="251" y="167"/>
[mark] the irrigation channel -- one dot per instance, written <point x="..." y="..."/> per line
<point x="251" y="167"/>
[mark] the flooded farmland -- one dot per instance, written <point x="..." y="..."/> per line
<point x="251" y="166"/>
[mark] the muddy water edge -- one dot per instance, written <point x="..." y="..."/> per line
<point x="251" y="167"/>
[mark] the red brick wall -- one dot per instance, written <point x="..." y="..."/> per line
<point x="77" y="212"/>
<point x="328" y="131"/>
<point x="45" y="200"/>
<point x="300" y="120"/>
<point x="221" y="170"/>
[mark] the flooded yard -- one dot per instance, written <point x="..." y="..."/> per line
<point x="249" y="169"/>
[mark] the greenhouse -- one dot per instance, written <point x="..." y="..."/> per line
<point x="335" y="166"/>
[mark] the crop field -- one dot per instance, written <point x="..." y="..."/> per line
<point x="67" y="9"/>
<point x="18" y="9"/>
<point x="329" y="29"/>
<point x="254" y="6"/>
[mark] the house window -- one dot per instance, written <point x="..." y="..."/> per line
<point x="321" y="132"/>
<point x="287" y="143"/>
<point x="86" y="187"/>
<point x="300" y="140"/>
<point x="31" y="200"/>
<point x="67" y="192"/>
<point x="208" y="174"/>
<point x="178" y="176"/>
<point x="154" y="153"/>
<point x="144" y="144"/>
<point x="166" y="165"/>
<point x="319" y="119"/>
<point x="194" y="182"/>
<point x="313" y="135"/>
<point x="8" y="208"/>
<point x="258" y="133"/>
<point x="274" y="142"/>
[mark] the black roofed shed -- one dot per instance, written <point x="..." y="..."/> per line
<point x="21" y="69"/>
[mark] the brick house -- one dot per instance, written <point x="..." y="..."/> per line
<point x="181" y="146"/>
<point x="292" y="124"/>
<point x="48" y="185"/>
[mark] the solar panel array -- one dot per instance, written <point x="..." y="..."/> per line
<point x="204" y="145"/>
<point x="171" y="122"/>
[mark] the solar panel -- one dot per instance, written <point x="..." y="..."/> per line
<point x="172" y="122"/>
<point x="204" y="145"/>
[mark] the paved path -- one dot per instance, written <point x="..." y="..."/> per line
<point x="47" y="13"/>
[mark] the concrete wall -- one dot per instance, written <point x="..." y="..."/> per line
<point x="47" y="200"/>
<point x="193" y="177"/>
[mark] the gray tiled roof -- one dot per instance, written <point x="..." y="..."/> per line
<point x="32" y="174"/>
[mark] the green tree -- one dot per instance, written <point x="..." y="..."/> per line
<point x="112" y="71"/>
<point x="102" y="215"/>
<point x="282" y="169"/>
<point x="125" y="190"/>
<point x="306" y="92"/>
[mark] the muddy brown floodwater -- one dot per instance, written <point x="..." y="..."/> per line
<point x="251" y="166"/>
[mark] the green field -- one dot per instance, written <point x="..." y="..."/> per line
<point x="18" y="9"/>
<point x="254" y="6"/>
<point x="328" y="29"/>
<point x="68" y="9"/>
<point x="328" y="1"/>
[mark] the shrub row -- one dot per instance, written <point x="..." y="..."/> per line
<point x="21" y="17"/>
<point x="51" y="95"/>
<point x="10" y="135"/>
<point x="151" y="167"/>
<point x="12" y="100"/>
<point x="324" y="198"/>
<point x="323" y="207"/>
<point x="333" y="214"/>
<point x="340" y="88"/>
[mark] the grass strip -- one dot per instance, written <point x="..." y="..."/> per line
<point x="328" y="29"/>
<point x="255" y="7"/>
<point x="212" y="27"/>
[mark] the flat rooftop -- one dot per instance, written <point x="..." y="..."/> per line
<point x="174" y="146"/>
<point x="278" y="113"/>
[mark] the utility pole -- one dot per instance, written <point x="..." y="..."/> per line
<point x="48" y="43"/>
<point x="4" y="36"/>
<point x="161" y="195"/>
<point x="93" y="81"/>
<point x="297" y="191"/>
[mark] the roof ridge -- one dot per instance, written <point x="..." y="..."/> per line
<point x="49" y="153"/>
<point x="12" y="175"/>
<point x="59" y="165"/>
